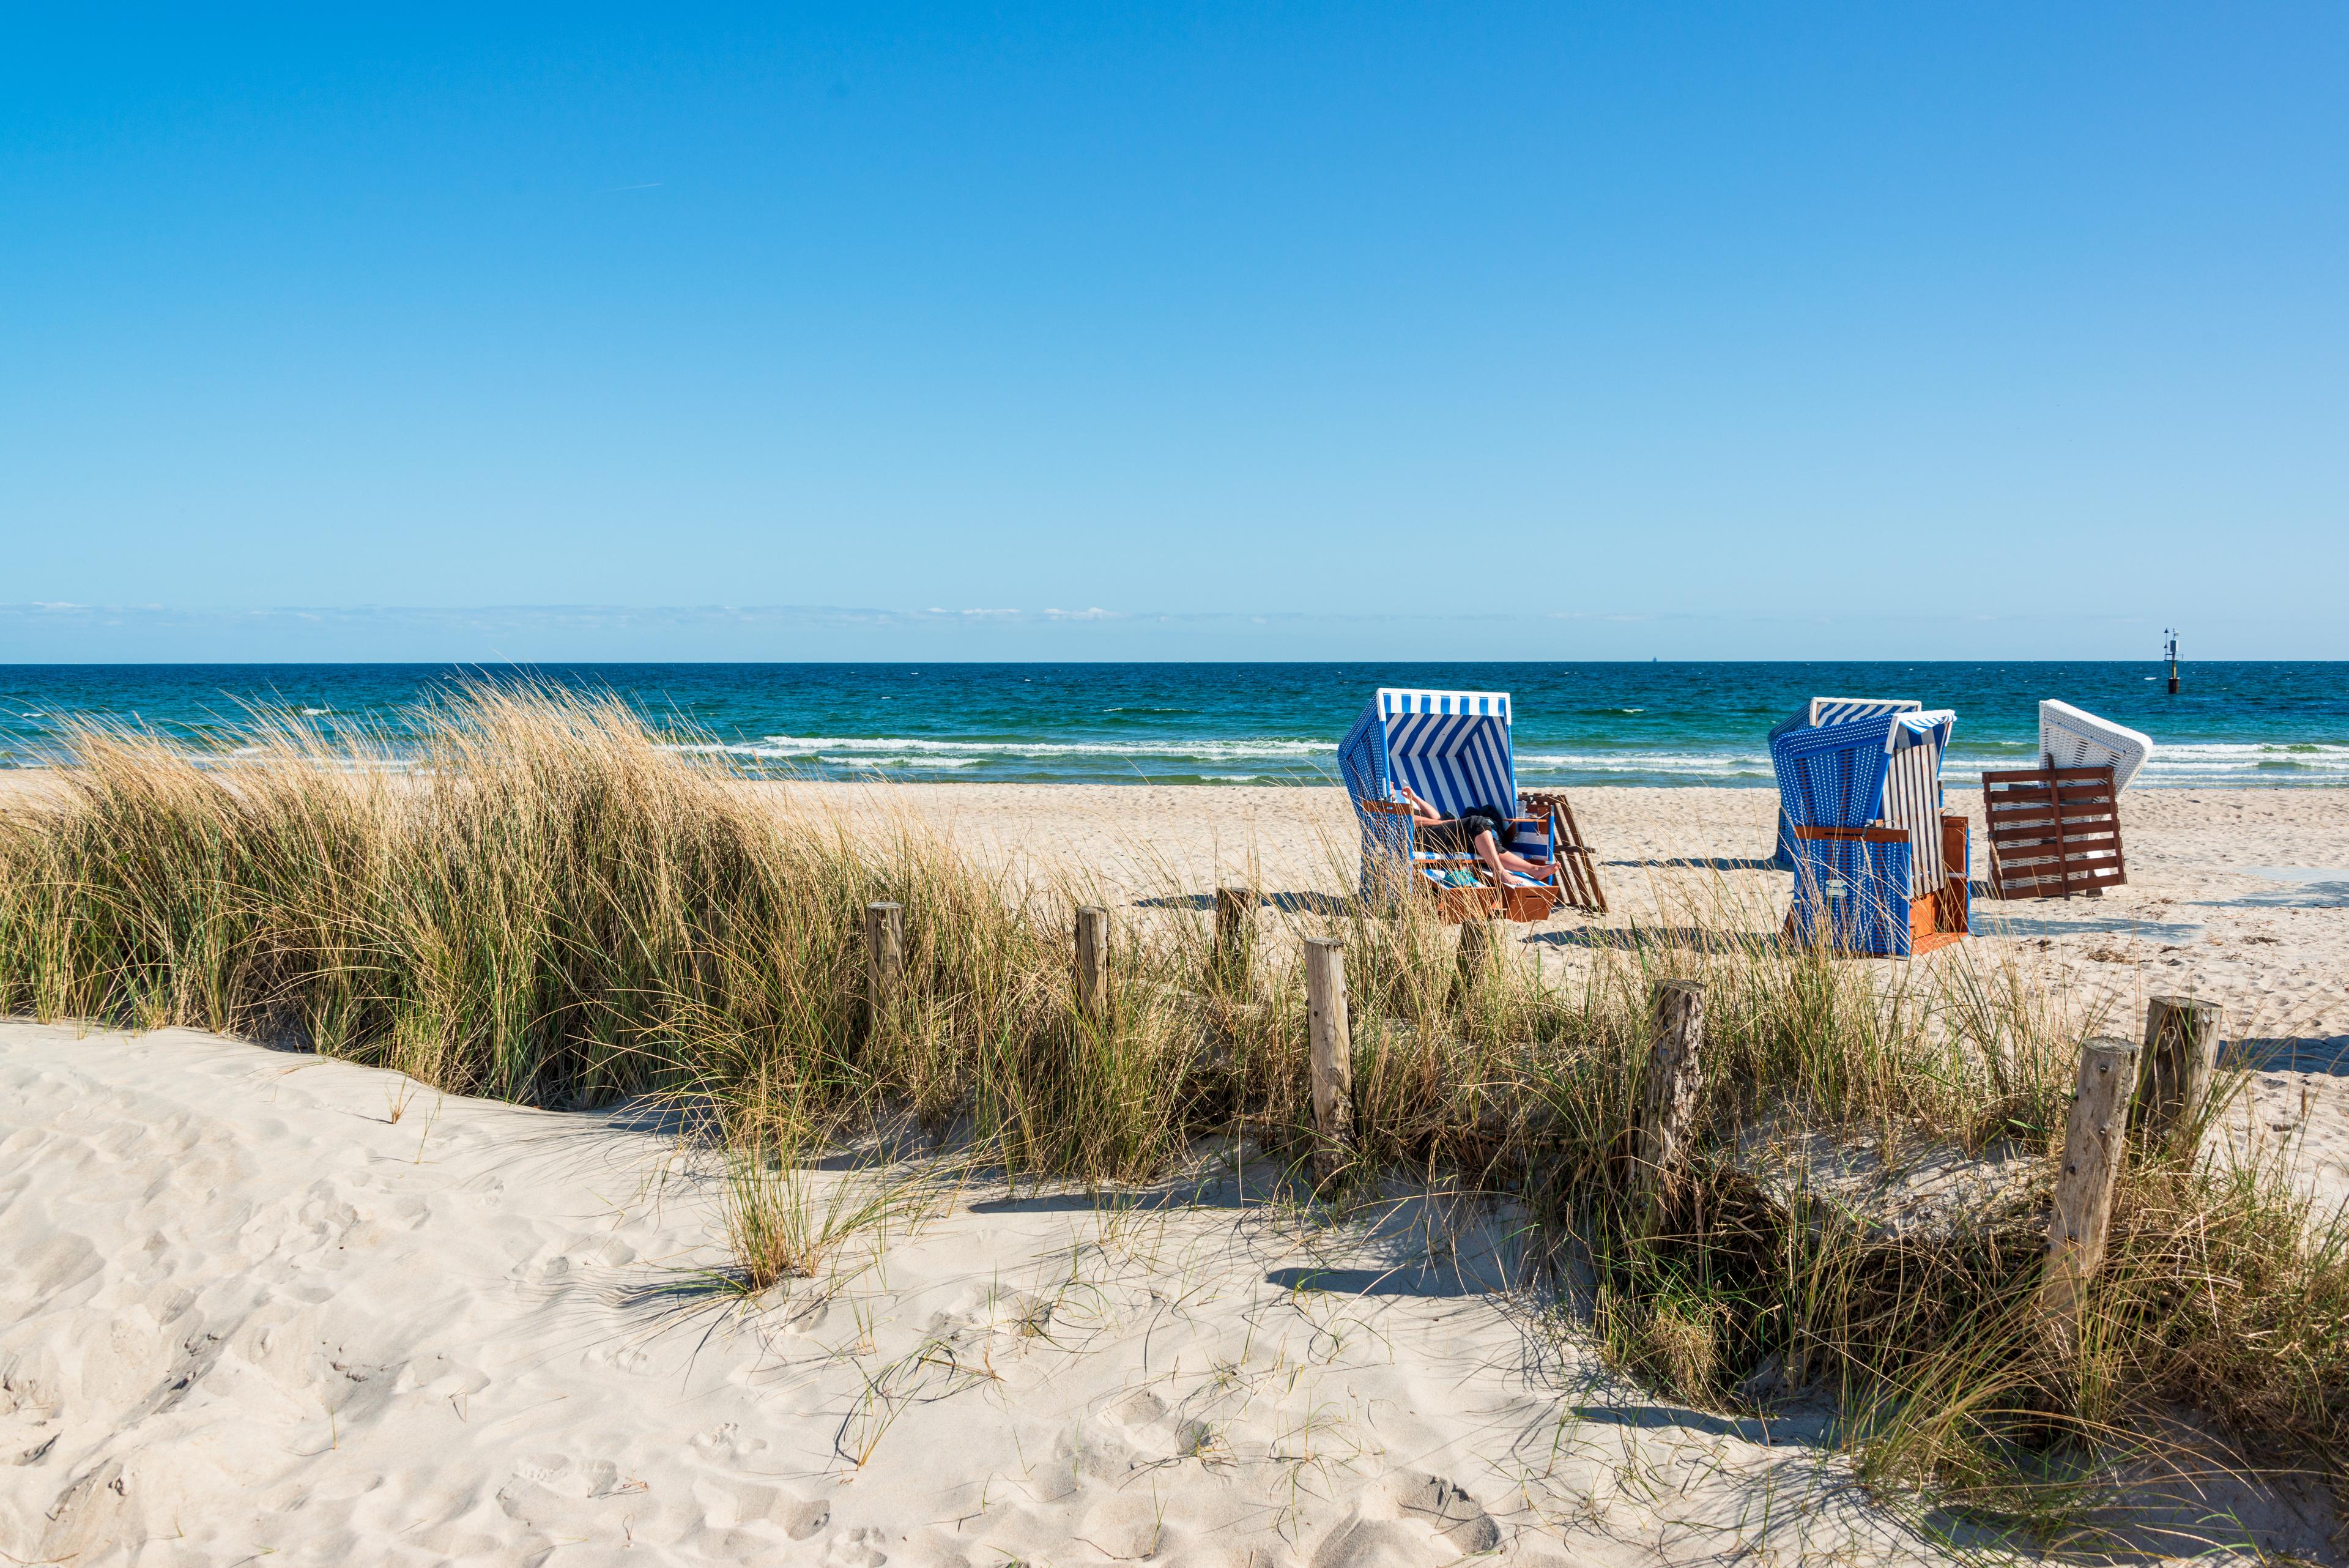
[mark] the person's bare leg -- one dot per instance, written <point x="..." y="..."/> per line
<point x="1489" y="852"/>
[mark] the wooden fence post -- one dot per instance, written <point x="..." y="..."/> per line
<point x="2181" y="1050"/>
<point x="1333" y="1055"/>
<point x="1235" y="932"/>
<point x="2094" y="1140"/>
<point x="885" y="959"/>
<point x="1093" y="962"/>
<point x="1670" y="1093"/>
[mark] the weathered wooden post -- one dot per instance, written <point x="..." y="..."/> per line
<point x="885" y="959"/>
<point x="2093" y="1140"/>
<point x="1234" y="932"/>
<point x="2181" y="1052"/>
<point x="1333" y="1055"/>
<point x="1669" y="1094"/>
<point x="1477" y="948"/>
<point x="1093" y="962"/>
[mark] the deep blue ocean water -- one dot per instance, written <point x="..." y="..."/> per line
<point x="1660" y="723"/>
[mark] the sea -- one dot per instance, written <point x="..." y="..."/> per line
<point x="2248" y="723"/>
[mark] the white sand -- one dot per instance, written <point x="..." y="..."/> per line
<point x="264" y="1303"/>
<point x="249" y="1313"/>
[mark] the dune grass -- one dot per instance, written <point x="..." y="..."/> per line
<point x="550" y="906"/>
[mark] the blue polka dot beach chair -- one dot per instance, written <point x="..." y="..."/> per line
<point x="1453" y="749"/>
<point x="1810" y="715"/>
<point x="1879" y="868"/>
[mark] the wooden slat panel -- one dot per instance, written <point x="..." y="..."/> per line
<point x="1577" y="863"/>
<point x="2053" y="832"/>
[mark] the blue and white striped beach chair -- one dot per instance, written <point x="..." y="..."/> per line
<point x="1810" y="715"/>
<point x="1453" y="749"/>
<point x="1878" y="868"/>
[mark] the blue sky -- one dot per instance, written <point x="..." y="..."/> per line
<point x="1287" y="331"/>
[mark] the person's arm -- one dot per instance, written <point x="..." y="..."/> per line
<point x="1420" y="810"/>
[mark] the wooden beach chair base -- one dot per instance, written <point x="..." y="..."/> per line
<point x="1573" y="882"/>
<point x="1526" y="905"/>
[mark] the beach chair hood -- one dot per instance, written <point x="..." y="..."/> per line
<point x="2071" y="737"/>
<point x="1887" y="768"/>
<point x="1842" y="710"/>
<point x="1451" y="747"/>
<point x="1821" y="711"/>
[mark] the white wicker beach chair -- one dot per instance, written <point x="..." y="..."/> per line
<point x="2070" y="737"/>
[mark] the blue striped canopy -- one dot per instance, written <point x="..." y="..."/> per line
<point x="1451" y="747"/>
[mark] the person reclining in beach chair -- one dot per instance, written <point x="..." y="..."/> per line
<point x="1416" y="754"/>
<point x="1477" y="830"/>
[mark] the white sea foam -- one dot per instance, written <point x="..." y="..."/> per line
<point x="871" y="749"/>
<point x="1707" y="764"/>
<point x="2177" y="766"/>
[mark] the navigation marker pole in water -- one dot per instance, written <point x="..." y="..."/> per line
<point x="2173" y="660"/>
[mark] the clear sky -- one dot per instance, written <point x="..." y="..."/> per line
<point x="1346" y="330"/>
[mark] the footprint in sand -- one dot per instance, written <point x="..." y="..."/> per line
<point x="1155" y="1430"/>
<point x="855" y="1549"/>
<point x="546" y="1490"/>
<point x="1089" y="1454"/>
<point x="727" y="1443"/>
<point x="1409" y="1520"/>
<point x="1127" y="1528"/>
<point x="728" y="1502"/>
<point x="1446" y="1508"/>
<point x="634" y="1359"/>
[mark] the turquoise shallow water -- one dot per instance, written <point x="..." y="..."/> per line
<point x="2234" y="723"/>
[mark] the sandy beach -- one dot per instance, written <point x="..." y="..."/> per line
<point x="261" y="1303"/>
<point x="2241" y="896"/>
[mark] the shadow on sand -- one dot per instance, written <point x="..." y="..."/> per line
<point x="2329" y="1054"/>
<point x="1333" y="904"/>
<point x="1648" y="938"/>
<point x="1401" y="1282"/>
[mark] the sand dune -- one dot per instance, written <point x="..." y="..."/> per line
<point x="264" y="1303"/>
<point x="249" y="1312"/>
